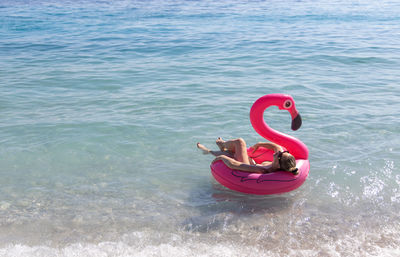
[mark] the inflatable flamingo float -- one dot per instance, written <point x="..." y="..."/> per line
<point x="276" y="182"/>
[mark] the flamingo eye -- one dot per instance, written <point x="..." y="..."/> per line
<point x="288" y="104"/>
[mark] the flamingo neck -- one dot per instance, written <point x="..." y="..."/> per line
<point x="292" y="144"/>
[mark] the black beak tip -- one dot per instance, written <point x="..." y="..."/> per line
<point x="296" y="122"/>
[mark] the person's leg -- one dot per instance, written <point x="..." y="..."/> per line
<point x="237" y="147"/>
<point x="215" y="153"/>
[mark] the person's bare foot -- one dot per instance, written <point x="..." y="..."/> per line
<point x="221" y="144"/>
<point x="203" y="148"/>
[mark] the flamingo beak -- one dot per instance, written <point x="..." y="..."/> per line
<point x="296" y="122"/>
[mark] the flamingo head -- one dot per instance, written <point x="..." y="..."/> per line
<point x="287" y="103"/>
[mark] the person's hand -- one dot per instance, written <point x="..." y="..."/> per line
<point x="255" y="147"/>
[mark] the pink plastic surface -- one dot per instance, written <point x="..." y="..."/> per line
<point x="276" y="182"/>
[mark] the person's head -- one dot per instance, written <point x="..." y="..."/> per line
<point x="286" y="162"/>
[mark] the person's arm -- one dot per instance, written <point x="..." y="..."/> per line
<point x="236" y="165"/>
<point x="272" y="146"/>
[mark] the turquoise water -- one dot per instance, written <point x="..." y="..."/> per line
<point x="102" y="103"/>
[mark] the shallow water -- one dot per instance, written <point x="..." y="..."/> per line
<point x="102" y="104"/>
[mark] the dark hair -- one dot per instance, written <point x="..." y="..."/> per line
<point x="288" y="163"/>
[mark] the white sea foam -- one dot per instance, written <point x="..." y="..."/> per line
<point x="107" y="249"/>
<point x="363" y="245"/>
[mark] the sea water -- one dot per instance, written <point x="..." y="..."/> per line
<point x="102" y="104"/>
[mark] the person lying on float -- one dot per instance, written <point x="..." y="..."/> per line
<point x="234" y="154"/>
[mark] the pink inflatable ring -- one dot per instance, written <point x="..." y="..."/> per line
<point x="276" y="182"/>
